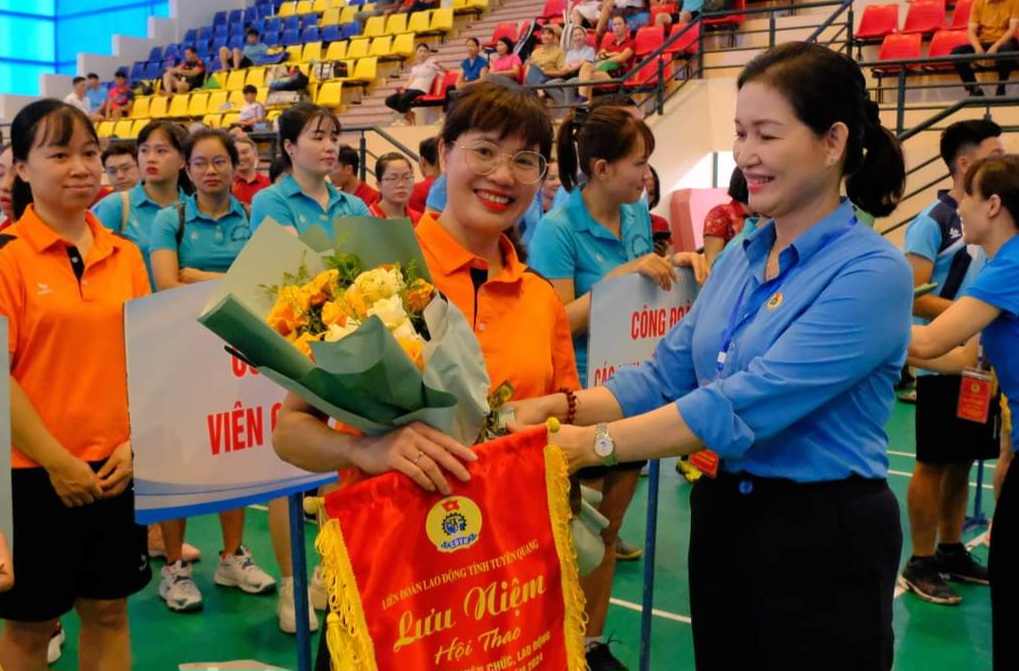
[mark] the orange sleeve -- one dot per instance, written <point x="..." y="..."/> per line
<point x="139" y="276"/>
<point x="12" y="298"/>
<point x="564" y="363"/>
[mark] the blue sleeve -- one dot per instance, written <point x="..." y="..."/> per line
<point x="110" y="210"/>
<point x="163" y="234"/>
<point x="437" y="194"/>
<point x="996" y="284"/>
<point x="268" y="203"/>
<point x="923" y="238"/>
<point x="561" y="196"/>
<point x="357" y="207"/>
<point x="552" y="249"/>
<point x="665" y="377"/>
<point x="859" y="322"/>
<point x="693" y="5"/>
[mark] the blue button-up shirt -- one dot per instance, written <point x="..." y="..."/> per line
<point x="206" y="244"/>
<point x="287" y="205"/>
<point x="807" y="384"/>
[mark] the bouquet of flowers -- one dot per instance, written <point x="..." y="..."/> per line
<point x="354" y="326"/>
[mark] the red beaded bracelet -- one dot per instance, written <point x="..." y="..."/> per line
<point x="571" y="404"/>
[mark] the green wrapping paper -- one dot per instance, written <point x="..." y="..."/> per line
<point x="364" y="380"/>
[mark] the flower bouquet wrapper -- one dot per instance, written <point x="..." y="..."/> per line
<point x="366" y="379"/>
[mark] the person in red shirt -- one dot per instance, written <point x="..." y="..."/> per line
<point x="614" y="58"/>
<point x="247" y="181"/>
<point x="724" y="222"/>
<point x="428" y="163"/>
<point x="395" y="175"/>
<point x="189" y="75"/>
<point x="344" y="176"/>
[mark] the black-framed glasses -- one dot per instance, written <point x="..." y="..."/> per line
<point x="528" y="167"/>
<point x="219" y="164"/>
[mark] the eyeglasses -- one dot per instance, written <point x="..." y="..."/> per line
<point x="219" y="164"/>
<point x="115" y="170"/>
<point x="528" y="167"/>
<point x="398" y="179"/>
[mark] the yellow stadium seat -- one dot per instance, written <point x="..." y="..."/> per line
<point x="157" y="108"/>
<point x="358" y="48"/>
<point x="442" y="20"/>
<point x="272" y="115"/>
<point x="236" y="100"/>
<point x="256" y="77"/>
<point x="366" y="71"/>
<point x="262" y="95"/>
<point x="288" y="9"/>
<point x="478" y="4"/>
<point x="319" y="6"/>
<point x="396" y="24"/>
<point x="420" y="22"/>
<point x="380" y="46"/>
<point x="229" y="118"/>
<point x="105" y="128"/>
<point x="123" y="128"/>
<point x="178" y="106"/>
<point x="305" y="7"/>
<point x="330" y="94"/>
<point x="330" y="17"/>
<point x="140" y="108"/>
<point x="368" y="8"/>
<point x="198" y="105"/>
<point x="136" y="129"/>
<point x="294" y="52"/>
<point x="235" y="81"/>
<point x="403" y="46"/>
<point x="212" y="120"/>
<point x="312" y="52"/>
<point x="217" y="100"/>
<point x="348" y="14"/>
<point x="374" y="26"/>
<point x="337" y="51"/>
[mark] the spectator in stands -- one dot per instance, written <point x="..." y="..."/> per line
<point x="6" y="183"/>
<point x="505" y="67"/>
<point x="428" y="163"/>
<point x="310" y="138"/>
<point x="345" y="176"/>
<point x="254" y="52"/>
<point x="724" y="222"/>
<point x="395" y="176"/>
<point x="253" y="112"/>
<point x="614" y="58"/>
<point x="661" y="231"/>
<point x="96" y="94"/>
<point x="579" y="53"/>
<point x="946" y="446"/>
<point x="77" y="96"/>
<point x="691" y="9"/>
<point x="586" y="12"/>
<point x="550" y="186"/>
<point x="188" y="75"/>
<point x="120" y="161"/>
<point x="547" y="61"/>
<point x="423" y="5"/>
<point x="119" y="97"/>
<point x="635" y="12"/>
<point x="247" y="180"/>
<point x="422" y="76"/>
<point x="992" y="29"/>
<point x="474" y="67"/>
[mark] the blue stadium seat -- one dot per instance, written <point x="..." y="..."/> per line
<point x="213" y="65"/>
<point x="250" y="15"/>
<point x="356" y="3"/>
<point x="138" y="71"/>
<point x="352" y="29"/>
<point x="264" y="11"/>
<point x="332" y="34"/>
<point x="205" y="33"/>
<point x="171" y="51"/>
<point x="156" y="54"/>
<point x="237" y="29"/>
<point x="271" y="39"/>
<point x="290" y="37"/>
<point x="220" y="29"/>
<point x="236" y="16"/>
<point x="236" y="41"/>
<point x="153" y="70"/>
<point x="273" y="24"/>
<point x="311" y="34"/>
<point x="191" y="36"/>
<point x="204" y="50"/>
<point x="219" y="19"/>
<point x="292" y="23"/>
<point x="276" y="4"/>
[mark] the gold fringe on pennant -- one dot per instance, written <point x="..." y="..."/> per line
<point x="1006" y="418"/>
<point x="557" y="479"/>
<point x="350" y="646"/>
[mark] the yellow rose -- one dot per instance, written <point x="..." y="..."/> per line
<point x="303" y="343"/>
<point x="334" y="313"/>
<point x="356" y="300"/>
<point x="418" y="296"/>
<point x="323" y="287"/>
<point x="414" y="347"/>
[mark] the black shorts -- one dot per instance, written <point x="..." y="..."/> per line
<point x="598" y="472"/>
<point x="64" y="554"/>
<point x="943" y="438"/>
<point x="194" y="81"/>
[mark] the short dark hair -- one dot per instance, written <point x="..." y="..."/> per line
<point x="252" y="31"/>
<point x="348" y="156"/>
<point x="384" y="161"/>
<point x="294" y="120"/>
<point x="487" y="106"/>
<point x="191" y="49"/>
<point x="211" y="134"/>
<point x="614" y="100"/>
<point x="475" y="41"/>
<point x="964" y="135"/>
<point x="249" y="88"/>
<point x="738" y="189"/>
<point x="429" y="150"/>
<point x="92" y="75"/>
<point x="77" y="80"/>
<point x="119" y="149"/>
<point x="508" y="42"/>
<point x="997" y="176"/>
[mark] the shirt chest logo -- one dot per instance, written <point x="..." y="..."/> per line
<point x="775" y="302"/>
<point x="43" y="289"/>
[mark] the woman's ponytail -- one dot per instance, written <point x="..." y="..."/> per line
<point x="877" y="184"/>
<point x="566" y="151"/>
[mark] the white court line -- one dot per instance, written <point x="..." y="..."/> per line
<point x="629" y="605"/>
<point x="979" y="540"/>
<point x="909" y="475"/>
<point x="987" y="462"/>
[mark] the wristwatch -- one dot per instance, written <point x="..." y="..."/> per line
<point x="604" y="446"/>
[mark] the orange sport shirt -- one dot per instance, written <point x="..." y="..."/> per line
<point x="517" y="316"/>
<point x="66" y="331"/>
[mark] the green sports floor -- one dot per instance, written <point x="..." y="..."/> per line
<point x="238" y="626"/>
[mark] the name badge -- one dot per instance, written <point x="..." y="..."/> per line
<point x="975" y="393"/>
<point x="706" y="462"/>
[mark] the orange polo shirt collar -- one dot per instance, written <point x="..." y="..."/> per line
<point x="451" y="256"/>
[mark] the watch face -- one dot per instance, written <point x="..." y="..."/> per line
<point x="603" y="447"/>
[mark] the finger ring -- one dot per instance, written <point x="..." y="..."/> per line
<point x="418" y="457"/>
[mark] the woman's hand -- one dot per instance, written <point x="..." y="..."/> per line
<point x="658" y="269"/>
<point x="698" y="262"/>
<point x="6" y="566"/>
<point x="533" y="411"/>
<point x="75" y="482"/>
<point x="419" y="452"/>
<point x="577" y="444"/>
<point x="116" y="473"/>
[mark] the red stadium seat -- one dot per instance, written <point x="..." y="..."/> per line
<point x="925" y="18"/>
<point x="504" y="29"/>
<point x="898" y="47"/>
<point x="553" y="11"/>
<point x="942" y="44"/>
<point x="731" y="22"/>
<point x="437" y="96"/>
<point x="960" y="17"/>
<point x="647" y="76"/>
<point x="688" y="43"/>
<point x="878" y="22"/>
<point x="648" y="39"/>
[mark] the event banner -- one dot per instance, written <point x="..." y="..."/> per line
<point x="6" y="522"/>
<point x="201" y="419"/>
<point x="482" y="580"/>
<point x="629" y="316"/>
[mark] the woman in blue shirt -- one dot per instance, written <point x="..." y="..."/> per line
<point x="990" y="307"/>
<point x="309" y="136"/>
<point x="785" y="369"/>
<point x="474" y="67"/>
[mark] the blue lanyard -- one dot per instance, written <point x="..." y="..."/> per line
<point x="738" y="317"/>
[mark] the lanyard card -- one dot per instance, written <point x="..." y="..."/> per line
<point x="975" y="394"/>
<point x="706" y="462"/>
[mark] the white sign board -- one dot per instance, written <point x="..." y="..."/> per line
<point x="629" y="316"/>
<point x="6" y="521"/>
<point x="201" y="419"/>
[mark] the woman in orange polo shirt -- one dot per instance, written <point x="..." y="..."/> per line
<point x="64" y="280"/>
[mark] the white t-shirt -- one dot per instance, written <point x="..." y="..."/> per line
<point x="422" y="76"/>
<point x="252" y="111"/>
<point x="80" y="103"/>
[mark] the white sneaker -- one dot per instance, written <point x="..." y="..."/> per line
<point x="177" y="588"/>
<point x="286" y="609"/>
<point x="56" y="646"/>
<point x="240" y="571"/>
<point x="319" y="595"/>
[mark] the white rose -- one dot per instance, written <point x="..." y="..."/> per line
<point x="406" y="330"/>
<point x="337" y="332"/>
<point x="389" y="310"/>
<point x="379" y="283"/>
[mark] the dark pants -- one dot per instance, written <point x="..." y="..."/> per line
<point x="787" y="576"/>
<point x="1005" y="66"/>
<point x="1004" y="577"/>
<point x="401" y="101"/>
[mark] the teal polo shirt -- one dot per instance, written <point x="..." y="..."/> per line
<point x="206" y="244"/>
<point x="141" y="217"/>
<point x="287" y="205"/>
<point x="570" y="245"/>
